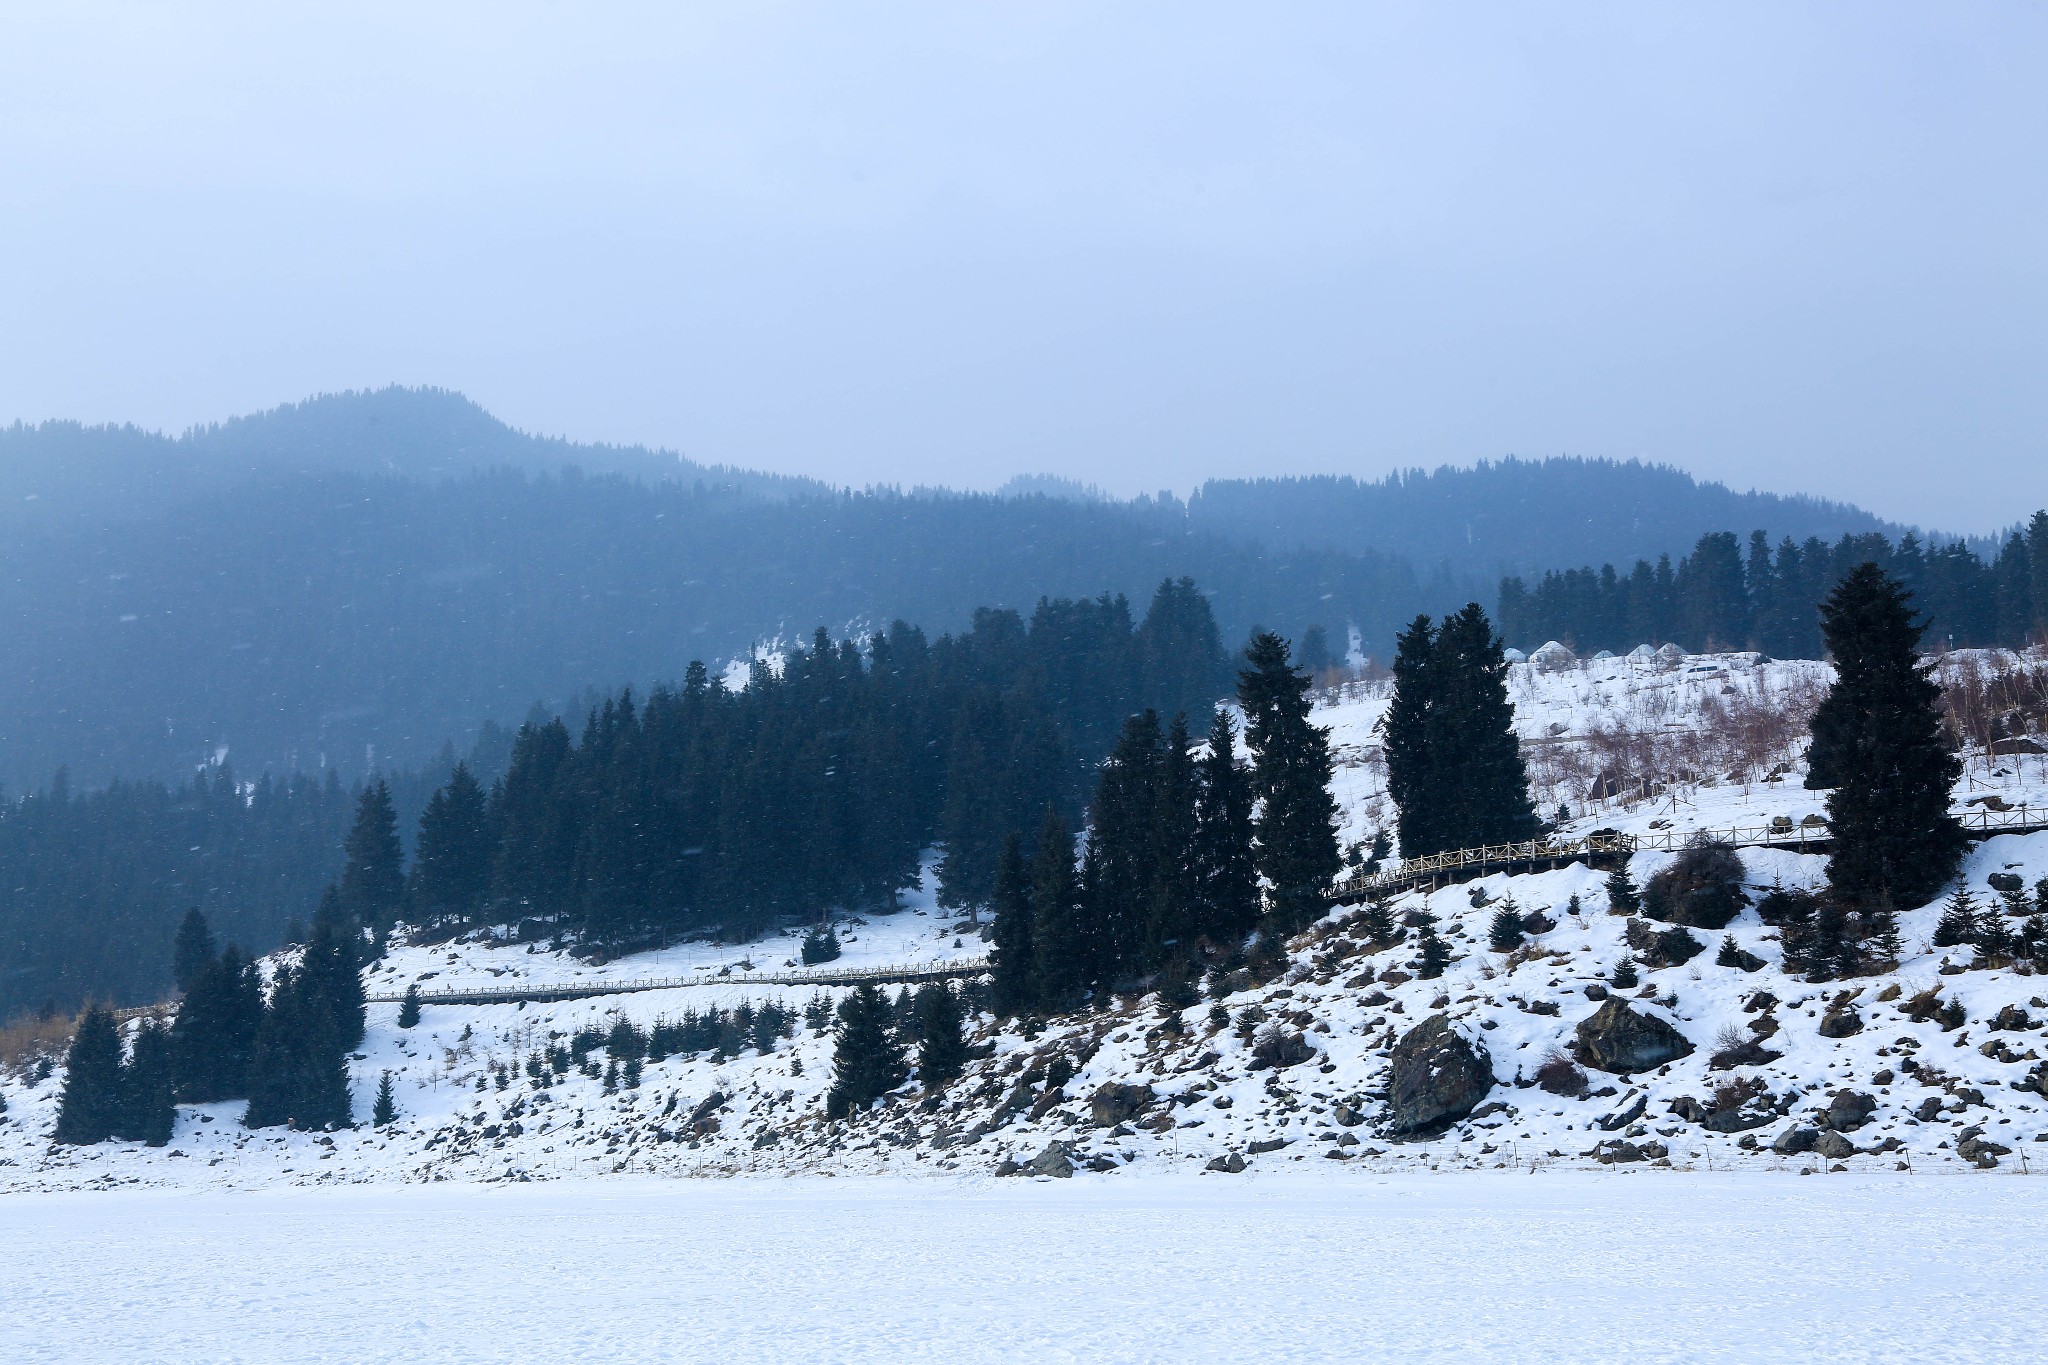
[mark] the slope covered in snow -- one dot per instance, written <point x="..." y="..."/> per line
<point x="493" y="1092"/>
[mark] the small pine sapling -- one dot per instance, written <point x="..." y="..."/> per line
<point x="1505" y="934"/>
<point x="1436" y="954"/>
<point x="1622" y="896"/>
<point x="1624" y="976"/>
<point x="385" y="1111"/>
<point x="1377" y="920"/>
<point x="1958" y="923"/>
<point x="1573" y="907"/>
<point x="409" y="1008"/>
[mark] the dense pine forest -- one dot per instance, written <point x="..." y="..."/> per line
<point x="697" y="806"/>
<point x="1727" y="596"/>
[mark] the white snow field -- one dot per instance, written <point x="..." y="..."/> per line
<point x="1457" y="1266"/>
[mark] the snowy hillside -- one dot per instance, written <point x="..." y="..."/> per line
<point x="1144" y="1087"/>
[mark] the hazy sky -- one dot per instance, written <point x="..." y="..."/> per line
<point x="1798" y="247"/>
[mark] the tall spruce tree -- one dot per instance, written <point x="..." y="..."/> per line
<point x="1010" y="956"/>
<point x="214" y="1034"/>
<point x="1296" y="825"/>
<point x="1176" y="899"/>
<point x="1877" y="744"/>
<point x="299" y="1073"/>
<point x="193" y="951"/>
<point x="867" y="1057"/>
<point x="941" y="1042"/>
<point x="1482" y="786"/>
<point x="330" y="971"/>
<point x="451" y="866"/>
<point x="373" y="873"/>
<point x="1404" y="732"/>
<point x="90" y="1106"/>
<point x="384" y="1110"/>
<point x="1059" y="939"/>
<point x="148" y="1103"/>
<point x="1229" y="904"/>
<point x="1121" y="848"/>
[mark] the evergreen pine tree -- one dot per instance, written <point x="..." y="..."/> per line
<point x="385" y="1111"/>
<point x="820" y="945"/>
<point x="1297" y="838"/>
<point x="1623" y="897"/>
<point x="1229" y="880"/>
<point x="1411" y="779"/>
<point x="1123" y="858"/>
<point x="451" y="866"/>
<point x="1881" y="930"/>
<point x="1059" y="939"/>
<point x="941" y="1043"/>
<point x="1958" y="924"/>
<point x="90" y="1105"/>
<point x="1176" y="906"/>
<point x="148" y="1105"/>
<point x="409" y="1008"/>
<point x="373" y="873"/>
<point x="193" y="951"/>
<point x="1482" y="785"/>
<point x="1877" y="743"/>
<point x="1624" y="977"/>
<point x="330" y="971"/>
<point x="1506" y="932"/>
<point x="299" y="1071"/>
<point x="1436" y="954"/>
<point x="867" y="1059"/>
<point x="1377" y="919"/>
<point x="1010" y="956"/>
<point x="215" y="1031"/>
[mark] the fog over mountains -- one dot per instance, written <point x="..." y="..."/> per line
<point x="353" y="580"/>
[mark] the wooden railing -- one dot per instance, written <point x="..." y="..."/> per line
<point x="904" y="973"/>
<point x="1977" y="822"/>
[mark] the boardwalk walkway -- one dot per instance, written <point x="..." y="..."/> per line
<point x="905" y="974"/>
<point x="1607" y="846"/>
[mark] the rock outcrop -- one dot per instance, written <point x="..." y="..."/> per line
<point x="1436" y="1076"/>
<point x="1614" y="1038"/>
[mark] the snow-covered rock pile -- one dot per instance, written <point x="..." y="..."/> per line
<point x="1343" y="1055"/>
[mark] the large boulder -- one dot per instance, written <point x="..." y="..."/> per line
<point x="1436" y="1077"/>
<point x="1615" y="1038"/>
<point x="1114" y="1103"/>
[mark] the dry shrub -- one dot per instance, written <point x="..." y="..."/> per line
<point x="27" y="1037"/>
<point x="1560" y="1075"/>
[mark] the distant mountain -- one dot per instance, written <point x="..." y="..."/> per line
<point x="54" y="473"/>
<point x="1513" y="516"/>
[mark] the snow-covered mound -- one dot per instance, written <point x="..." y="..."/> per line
<point x="1293" y="1067"/>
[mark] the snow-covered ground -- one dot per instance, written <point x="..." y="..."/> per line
<point x="1451" y="1267"/>
<point x="758" y="1113"/>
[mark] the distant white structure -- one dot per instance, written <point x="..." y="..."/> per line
<point x="1642" y="654"/>
<point x="1672" y="655"/>
<point x="1514" y="656"/>
<point x="1603" y="654"/>
<point x="1553" y="656"/>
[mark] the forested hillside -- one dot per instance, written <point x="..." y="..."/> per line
<point x="1511" y="516"/>
<point x="365" y="620"/>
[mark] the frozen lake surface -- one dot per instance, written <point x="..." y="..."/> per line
<point x="1456" y="1266"/>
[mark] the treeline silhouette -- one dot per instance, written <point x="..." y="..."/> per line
<point x="1723" y="596"/>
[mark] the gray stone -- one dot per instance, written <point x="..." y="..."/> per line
<point x="1624" y="1116"/>
<point x="1841" y="1022"/>
<point x="1229" y="1164"/>
<point x="1114" y="1102"/>
<point x="1056" y="1160"/>
<point x="1849" y="1110"/>
<point x="1833" y="1146"/>
<point x="1793" y="1141"/>
<point x="1435" y="1077"/>
<point x="1617" y="1039"/>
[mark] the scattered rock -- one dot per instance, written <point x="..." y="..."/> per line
<point x="1849" y="1110"/>
<point x="1595" y="991"/>
<point x="1266" y="1145"/>
<point x="1057" y="1160"/>
<point x="1113" y="1103"/>
<point x="1007" y="1167"/>
<point x="1277" y="1048"/>
<point x="1689" y="1109"/>
<point x="1435" y="1077"/>
<point x="2011" y="1019"/>
<point x="1841" y="1021"/>
<point x="1833" y="1146"/>
<point x="1793" y="1141"/>
<point x="1347" y="1116"/>
<point x="1616" y="1152"/>
<point x="1624" y="1116"/>
<point x="1229" y="1164"/>
<point x="1617" y="1039"/>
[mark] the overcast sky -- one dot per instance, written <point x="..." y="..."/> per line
<point x="1793" y="247"/>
